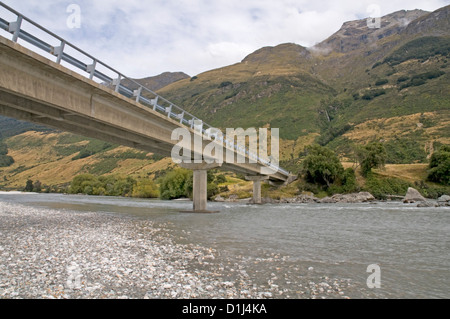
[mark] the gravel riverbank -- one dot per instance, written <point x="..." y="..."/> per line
<point x="66" y="254"/>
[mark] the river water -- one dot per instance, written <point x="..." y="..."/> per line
<point x="410" y="245"/>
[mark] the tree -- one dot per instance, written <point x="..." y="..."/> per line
<point x="145" y="188"/>
<point x="82" y="184"/>
<point x="349" y="183"/>
<point x="37" y="187"/>
<point x="29" y="186"/>
<point x="372" y="155"/>
<point x="321" y="165"/>
<point x="5" y="160"/>
<point x="176" y="184"/>
<point x="439" y="168"/>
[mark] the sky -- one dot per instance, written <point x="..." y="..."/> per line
<point x="143" y="38"/>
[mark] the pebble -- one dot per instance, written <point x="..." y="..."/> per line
<point x="53" y="254"/>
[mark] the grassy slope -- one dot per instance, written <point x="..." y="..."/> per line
<point x="49" y="158"/>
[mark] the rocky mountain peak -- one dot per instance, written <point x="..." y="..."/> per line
<point x="357" y="33"/>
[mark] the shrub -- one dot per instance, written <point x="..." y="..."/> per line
<point x="376" y="65"/>
<point x="421" y="48"/>
<point x="225" y="84"/>
<point x="373" y="94"/>
<point x="439" y="168"/>
<point x="92" y="148"/>
<point x="145" y="188"/>
<point x="381" y="82"/>
<point x="6" y="161"/>
<point x="89" y="184"/>
<point x="29" y="186"/>
<point x="431" y="191"/>
<point x="321" y="166"/>
<point x="176" y="184"/>
<point x="381" y="187"/>
<point x="421" y="79"/>
<point x="220" y="179"/>
<point x="404" y="151"/>
<point x="80" y="182"/>
<point x="349" y="183"/>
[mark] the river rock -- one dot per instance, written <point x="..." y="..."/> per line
<point x="300" y="199"/>
<point x="328" y="200"/>
<point x="412" y="196"/>
<point x="361" y="197"/>
<point x="444" y="199"/>
<point x="219" y="199"/>
<point x="426" y="204"/>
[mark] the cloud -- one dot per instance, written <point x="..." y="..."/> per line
<point x="143" y="38"/>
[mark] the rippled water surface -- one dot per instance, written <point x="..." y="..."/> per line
<point x="411" y="245"/>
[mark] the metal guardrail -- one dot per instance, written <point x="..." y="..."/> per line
<point x="140" y="95"/>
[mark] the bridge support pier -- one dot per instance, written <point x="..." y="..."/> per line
<point x="257" y="187"/>
<point x="200" y="186"/>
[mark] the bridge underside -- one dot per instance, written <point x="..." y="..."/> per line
<point x="35" y="89"/>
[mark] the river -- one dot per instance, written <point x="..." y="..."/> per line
<point x="305" y="241"/>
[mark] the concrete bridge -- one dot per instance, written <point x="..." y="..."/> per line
<point x="76" y="92"/>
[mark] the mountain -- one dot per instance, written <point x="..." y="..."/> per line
<point x="328" y="92"/>
<point x="361" y="84"/>
<point x="156" y="83"/>
<point x="271" y="87"/>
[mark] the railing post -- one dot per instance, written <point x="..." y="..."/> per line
<point x="155" y="103"/>
<point x="14" y="28"/>
<point x="58" y="51"/>
<point x="181" y="117"/>
<point x="91" y="69"/>
<point x="169" y="110"/>
<point x="137" y="93"/>
<point x="116" y="82"/>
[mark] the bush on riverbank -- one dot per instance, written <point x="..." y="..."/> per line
<point x="323" y="172"/>
<point x="5" y="160"/>
<point x="176" y="184"/>
<point x="381" y="187"/>
<point x="179" y="184"/>
<point x="89" y="184"/>
<point x="439" y="169"/>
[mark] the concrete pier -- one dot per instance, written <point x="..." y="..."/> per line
<point x="257" y="187"/>
<point x="200" y="187"/>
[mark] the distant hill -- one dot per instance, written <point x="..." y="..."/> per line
<point x="156" y="83"/>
